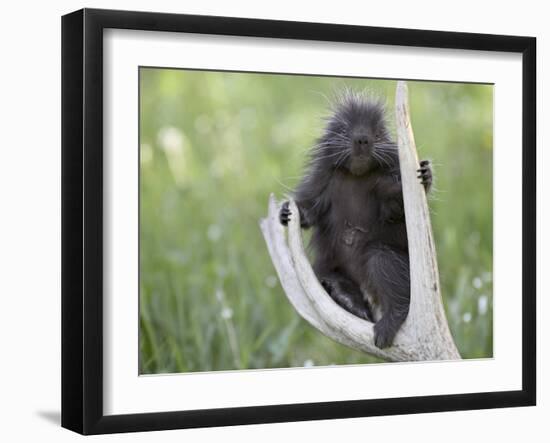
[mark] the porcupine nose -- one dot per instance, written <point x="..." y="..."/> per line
<point x="361" y="143"/>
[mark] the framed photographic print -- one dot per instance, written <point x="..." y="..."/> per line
<point x="261" y="217"/>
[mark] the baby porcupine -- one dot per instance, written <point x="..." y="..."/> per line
<point x="351" y="196"/>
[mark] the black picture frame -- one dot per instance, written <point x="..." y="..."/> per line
<point x="82" y="220"/>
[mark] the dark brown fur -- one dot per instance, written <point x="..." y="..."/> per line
<point x="352" y="198"/>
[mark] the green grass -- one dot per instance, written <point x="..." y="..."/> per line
<point x="215" y="145"/>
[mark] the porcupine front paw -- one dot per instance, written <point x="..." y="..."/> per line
<point x="425" y="174"/>
<point x="284" y="214"/>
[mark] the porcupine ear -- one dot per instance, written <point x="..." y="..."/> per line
<point x="380" y="109"/>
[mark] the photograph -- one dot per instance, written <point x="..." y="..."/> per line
<point x="274" y="222"/>
<point x="214" y="146"/>
<point x="270" y="221"/>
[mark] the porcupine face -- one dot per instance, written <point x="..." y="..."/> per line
<point x="356" y="135"/>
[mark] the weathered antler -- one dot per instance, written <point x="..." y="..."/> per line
<point x="425" y="334"/>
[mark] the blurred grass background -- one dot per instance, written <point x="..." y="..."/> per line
<point x="214" y="145"/>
